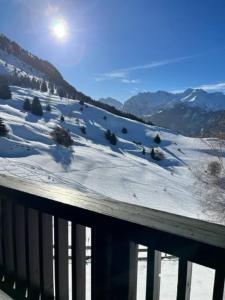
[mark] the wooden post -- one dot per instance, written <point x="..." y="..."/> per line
<point x="153" y="275"/>
<point x="218" y="290"/>
<point x="61" y="259"/>
<point x="78" y="262"/>
<point x="184" y="279"/>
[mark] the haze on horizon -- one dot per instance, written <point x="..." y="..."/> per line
<point x="118" y="49"/>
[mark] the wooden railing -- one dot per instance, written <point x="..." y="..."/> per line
<point x="34" y="244"/>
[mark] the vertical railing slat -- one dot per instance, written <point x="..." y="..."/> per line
<point x="61" y="259"/>
<point x="218" y="290"/>
<point x="19" y="246"/>
<point x="153" y="274"/>
<point x="78" y="262"/>
<point x="184" y="279"/>
<point x="33" y="254"/>
<point x="47" y="256"/>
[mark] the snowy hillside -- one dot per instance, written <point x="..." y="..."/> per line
<point x="119" y="171"/>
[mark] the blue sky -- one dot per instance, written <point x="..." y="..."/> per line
<point x="119" y="48"/>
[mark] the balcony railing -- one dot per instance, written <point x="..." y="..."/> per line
<point x="35" y="242"/>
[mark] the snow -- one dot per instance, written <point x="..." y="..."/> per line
<point x="121" y="172"/>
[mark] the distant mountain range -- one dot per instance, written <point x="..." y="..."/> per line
<point x="193" y="112"/>
<point x="113" y="102"/>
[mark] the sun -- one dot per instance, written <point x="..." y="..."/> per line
<point x="60" y="30"/>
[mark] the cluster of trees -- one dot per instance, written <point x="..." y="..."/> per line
<point x="111" y="137"/>
<point x="34" y="107"/>
<point x="62" y="136"/>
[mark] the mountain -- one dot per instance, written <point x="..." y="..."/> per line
<point x="111" y="101"/>
<point x="193" y="112"/>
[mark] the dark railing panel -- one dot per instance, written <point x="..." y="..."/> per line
<point x="34" y="254"/>
<point x="47" y="286"/>
<point x="19" y="248"/>
<point x="184" y="280"/>
<point x="26" y="244"/>
<point x="61" y="259"/>
<point x="78" y="262"/>
<point x="153" y="275"/>
<point x="218" y="290"/>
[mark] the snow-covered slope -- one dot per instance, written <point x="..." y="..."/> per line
<point x="121" y="172"/>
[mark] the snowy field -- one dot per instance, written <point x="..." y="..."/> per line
<point x="120" y="172"/>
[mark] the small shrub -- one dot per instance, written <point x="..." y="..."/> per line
<point x="36" y="107"/>
<point x="81" y="108"/>
<point x="124" y="130"/>
<point x="61" y="136"/>
<point x="83" y="129"/>
<point x="157" y="155"/>
<point x="214" y="168"/>
<point x="81" y="102"/>
<point x="48" y="108"/>
<point x="111" y="137"/>
<point x="105" y="118"/>
<point x="143" y="151"/>
<point x="27" y="105"/>
<point x="157" y="139"/>
<point x="3" y="129"/>
<point x="137" y="143"/>
<point x="62" y="119"/>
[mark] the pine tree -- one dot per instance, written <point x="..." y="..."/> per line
<point x="108" y="134"/>
<point x="143" y="151"/>
<point x="36" y="107"/>
<point x="124" y="130"/>
<point x="62" y="119"/>
<point x="5" y="92"/>
<point x="3" y="129"/>
<point x="27" y="105"/>
<point x="48" y="107"/>
<point x="113" y="139"/>
<point x="157" y="139"/>
<point x="153" y="153"/>
<point x="44" y="86"/>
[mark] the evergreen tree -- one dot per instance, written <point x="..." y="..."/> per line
<point x="61" y="93"/>
<point x="62" y="119"/>
<point x="108" y="134"/>
<point x="5" y="92"/>
<point x="124" y="130"/>
<point x="143" y="151"/>
<point x="83" y="129"/>
<point x="36" y="107"/>
<point x="157" y="139"/>
<point x="27" y="105"/>
<point x="153" y="153"/>
<point x="48" y="107"/>
<point x="113" y="139"/>
<point x="3" y="129"/>
<point x="81" y="102"/>
<point x="44" y="86"/>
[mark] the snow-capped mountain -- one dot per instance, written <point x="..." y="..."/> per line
<point x="193" y="112"/>
<point x="149" y="103"/>
<point x="113" y="102"/>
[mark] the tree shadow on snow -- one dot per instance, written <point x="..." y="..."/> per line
<point x="62" y="155"/>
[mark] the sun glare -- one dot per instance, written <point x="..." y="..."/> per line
<point x="60" y="30"/>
